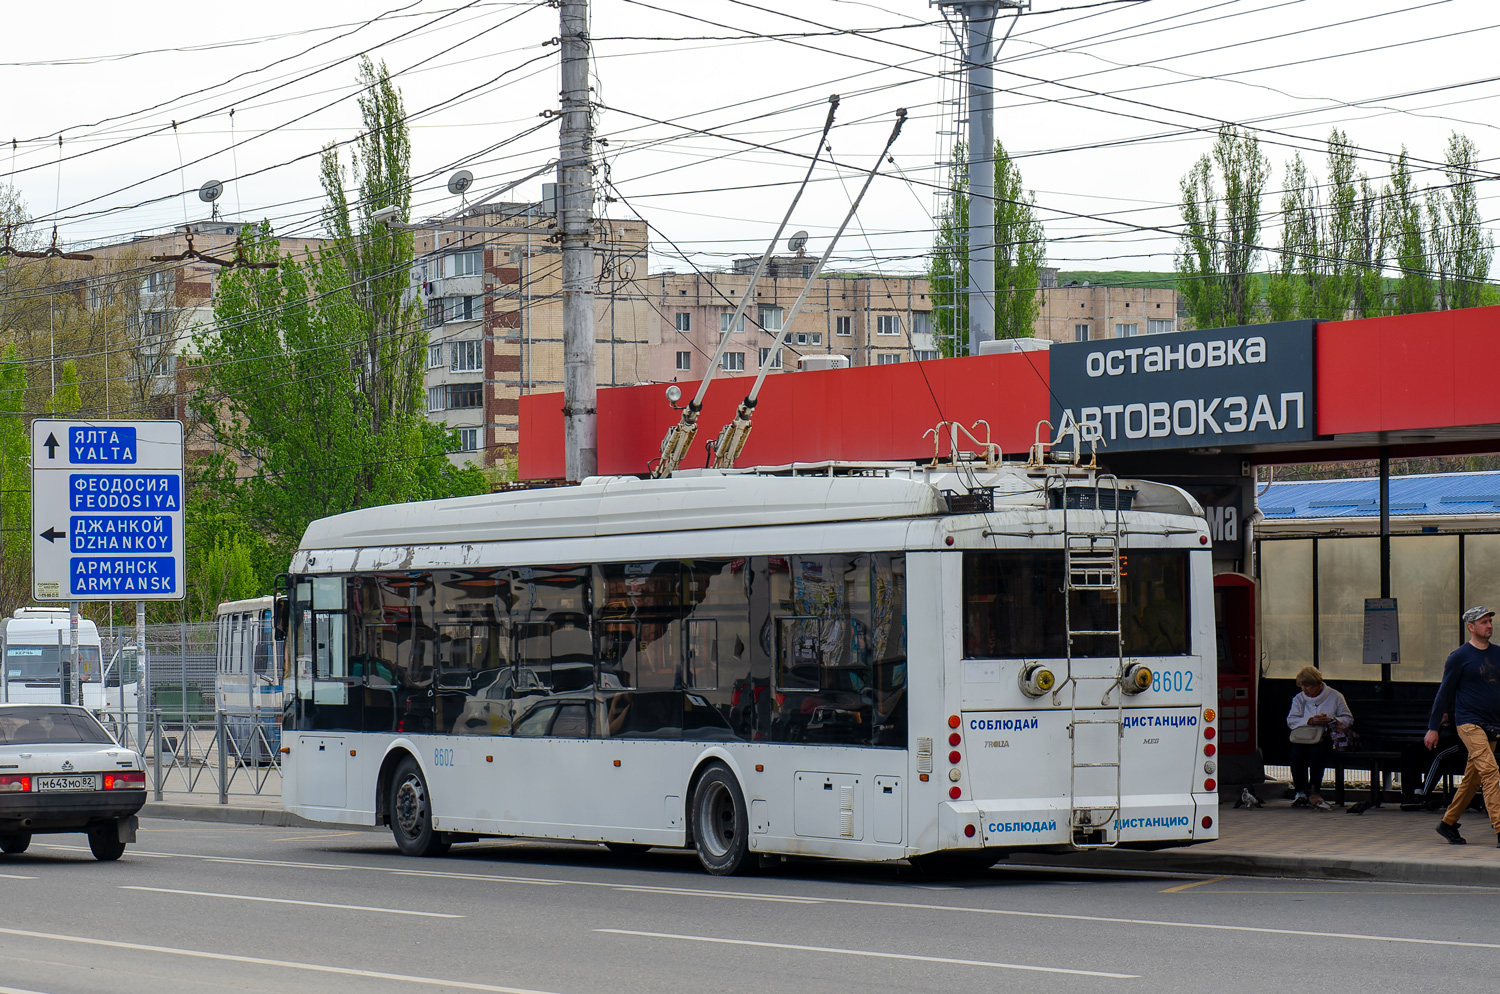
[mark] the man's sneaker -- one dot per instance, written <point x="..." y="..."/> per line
<point x="1322" y="805"/>
<point x="1450" y="832"/>
<point x="1300" y="801"/>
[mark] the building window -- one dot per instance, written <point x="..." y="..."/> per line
<point x="1080" y="333"/>
<point x="460" y="308"/>
<point x="154" y="323"/>
<point x="1158" y="326"/>
<point x="809" y="338"/>
<point x="436" y="398"/>
<point x="807" y="271"/>
<point x="463" y="264"/>
<point x="685" y="361"/>
<point x="921" y="323"/>
<point x="724" y="322"/>
<point x="770" y="319"/>
<point x="465" y="395"/>
<point x="1127" y="330"/>
<point x="161" y="282"/>
<point x="434" y="313"/>
<point x="732" y="361"/>
<point x="769" y="361"/>
<point x="923" y="355"/>
<point x="468" y="440"/>
<point x="434" y="356"/>
<point x="888" y="324"/>
<point x="684" y="321"/>
<point x="887" y="359"/>
<point x="468" y="357"/>
<point x="843" y="325"/>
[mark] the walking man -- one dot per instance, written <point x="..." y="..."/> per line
<point x="1470" y="691"/>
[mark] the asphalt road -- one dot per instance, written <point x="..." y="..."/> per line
<point x="195" y="907"/>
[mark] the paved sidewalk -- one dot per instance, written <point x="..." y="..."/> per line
<point x="1384" y="843"/>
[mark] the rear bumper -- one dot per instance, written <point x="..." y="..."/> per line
<point x="1144" y="821"/>
<point x="66" y="812"/>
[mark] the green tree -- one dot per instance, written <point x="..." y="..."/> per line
<point x="1461" y="249"/>
<point x="1405" y="240"/>
<point x="312" y="371"/>
<point x="1218" y="249"/>
<point x="15" y="484"/>
<point x="1020" y="255"/>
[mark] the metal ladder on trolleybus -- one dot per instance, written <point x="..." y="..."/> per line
<point x="1092" y="563"/>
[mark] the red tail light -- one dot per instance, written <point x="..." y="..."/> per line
<point x="955" y="792"/>
<point x="1209" y="749"/>
<point x="1208" y="821"/>
<point x="129" y="780"/>
<point x="1210" y="784"/>
<point x="13" y="784"/>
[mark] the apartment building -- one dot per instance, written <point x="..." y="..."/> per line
<point x="491" y="289"/>
<point x="863" y="320"/>
<point x="1078" y="312"/>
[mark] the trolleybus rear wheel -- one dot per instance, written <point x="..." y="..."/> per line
<point x="721" y="828"/>
<point x="411" y="813"/>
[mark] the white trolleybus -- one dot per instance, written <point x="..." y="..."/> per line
<point x="37" y="640"/>
<point x="247" y="683"/>
<point x="886" y="664"/>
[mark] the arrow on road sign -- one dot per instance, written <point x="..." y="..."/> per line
<point x="51" y="443"/>
<point x="52" y="534"/>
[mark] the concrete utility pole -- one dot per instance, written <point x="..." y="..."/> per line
<point x="979" y="17"/>
<point x="575" y="223"/>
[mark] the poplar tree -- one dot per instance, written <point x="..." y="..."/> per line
<point x="1020" y="256"/>
<point x="1221" y="229"/>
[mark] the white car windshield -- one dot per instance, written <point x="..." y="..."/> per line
<point x="42" y="725"/>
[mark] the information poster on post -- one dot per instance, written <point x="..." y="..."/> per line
<point x="1382" y="633"/>
<point x="106" y="510"/>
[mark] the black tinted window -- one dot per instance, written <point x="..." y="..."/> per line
<point x="1013" y="606"/>
<point x="40" y="725"/>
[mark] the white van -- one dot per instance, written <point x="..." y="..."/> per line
<point x="36" y="640"/>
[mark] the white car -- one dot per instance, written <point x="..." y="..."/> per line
<point x="60" y="771"/>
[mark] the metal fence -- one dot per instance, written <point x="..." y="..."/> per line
<point x="191" y="745"/>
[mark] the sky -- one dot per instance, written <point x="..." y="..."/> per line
<point x="708" y="109"/>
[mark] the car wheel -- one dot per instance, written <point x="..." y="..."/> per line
<point x="955" y="862"/>
<point x="104" y="842"/>
<point x="411" y="813"/>
<point x="15" y="844"/>
<point x="721" y="829"/>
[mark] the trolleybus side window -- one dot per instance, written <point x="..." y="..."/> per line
<point x="1013" y="605"/>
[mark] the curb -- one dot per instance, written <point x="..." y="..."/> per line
<point x="227" y="814"/>
<point x="1261" y="864"/>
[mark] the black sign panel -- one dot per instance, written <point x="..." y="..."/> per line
<point x="1189" y="389"/>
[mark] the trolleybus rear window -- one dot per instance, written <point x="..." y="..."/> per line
<point x="1013" y="606"/>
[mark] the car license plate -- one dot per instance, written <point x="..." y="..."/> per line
<point x="88" y="781"/>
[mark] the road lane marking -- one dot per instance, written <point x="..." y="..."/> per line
<point x="872" y="954"/>
<point x="343" y="971"/>
<point x="16" y="990"/>
<point x="731" y="895"/>
<point x="282" y="900"/>
<point x="14" y="876"/>
<point x="862" y="903"/>
<point x="1196" y="883"/>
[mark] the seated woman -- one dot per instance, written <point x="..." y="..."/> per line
<point x="1321" y="708"/>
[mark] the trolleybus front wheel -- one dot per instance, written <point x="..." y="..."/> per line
<point x="721" y="827"/>
<point x="411" y="813"/>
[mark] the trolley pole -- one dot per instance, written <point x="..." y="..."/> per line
<point x="575" y="184"/>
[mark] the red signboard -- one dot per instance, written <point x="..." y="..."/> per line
<point x="869" y="413"/>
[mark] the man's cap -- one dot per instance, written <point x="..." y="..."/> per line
<point x="1473" y="614"/>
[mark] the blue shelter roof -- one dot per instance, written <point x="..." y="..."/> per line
<point x="1411" y="496"/>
